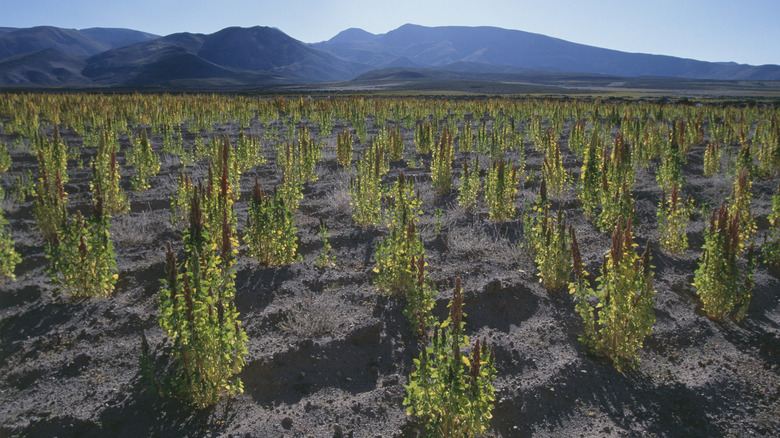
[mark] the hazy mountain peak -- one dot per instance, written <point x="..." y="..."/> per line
<point x="353" y="34"/>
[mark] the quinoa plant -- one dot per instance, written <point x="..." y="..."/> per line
<point x="326" y="257"/>
<point x="344" y="148"/>
<point x="270" y="233"/>
<point x="441" y="164"/>
<point x="424" y="137"/>
<point x="366" y="190"/>
<point x="9" y="258"/>
<point x="673" y="216"/>
<point x="501" y="190"/>
<point x="197" y="311"/>
<point x="466" y="137"/>
<point x="395" y="143"/>
<point x="84" y="262"/>
<point x="578" y="140"/>
<point x="617" y="204"/>
<point x="739" y="206"/>
<point x="105" y="175"/>
<point x="180" y="200"/>
<point x="590" y="192"/>
<point x="145" y="161"/>
<point x="551" y="251"/>
<point x="51" y="201"/>
<point x="394" y="272"/>
<point x="711" y="159"/>
<point x="469" y="185"/>
<point x="723" y="281"/>
<point x="553" y="171"/>
<point x="220" y="192"/>
<point x="771" y="247"/>
<point x="670" y="171"/>
<point x="618" y="315"/>
<point x="451" y="393"/>
<point x="420" y="298"/>
<point x="292" y="182"/>
<point x="5" y="159"/>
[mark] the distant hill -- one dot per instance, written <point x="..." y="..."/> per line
<point x="242" y="56"/>
<point x="441" y="46"/>
<point x="45" y="68"/>
<point x="112" y="38"/>
<point x="235" y="57"/>
<point x="66" y="41"/>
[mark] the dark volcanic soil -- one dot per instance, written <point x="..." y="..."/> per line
<point x="329" y="355"/>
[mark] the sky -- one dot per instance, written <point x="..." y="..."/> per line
<point x="747" y="31"/>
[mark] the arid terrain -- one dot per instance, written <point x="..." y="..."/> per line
<point x="329" y="355"/>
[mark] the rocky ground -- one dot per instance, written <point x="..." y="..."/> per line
<point x="329" y="355"/>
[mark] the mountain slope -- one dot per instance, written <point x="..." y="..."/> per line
<point x="113" y="38"/>
<point x="439" y="46"/>
<point x="66" y="41"/>
<point x="271" y="50"/>
<point x="255" y="54"/>
<point x="45" y="68"/>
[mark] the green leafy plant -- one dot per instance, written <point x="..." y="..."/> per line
<point x="326" y="257"/>
<point x="617" y="204"/>
<point x="420" y="298"/>
<point x="771" y="247"/>
<point x="180" y="201"/>
<point x="394" y="272"/>
<point x="424" y="137"/>
<point x="501" y="190"/>
<point x="739" y="206"/>
<point x="197" y="311"/>
<point x="5" y="158"/>
<point x="618" y="315"/>
<point x="451" y="393"/>
<point x="270" y="233"/>
<point x="437" y="221"/>
<point x="711" y="159"/>
<point x="344" y="148"/>
<point x="105" y="175"/>
<point x="23" y="187"/>
<point x="145" y="161"/>
<point x="670" y="172"/>
<point x="441" y="164"/>
<point x="552" y="169"/>
<point x="469" y="185"/>
<point x="9" y="258"/>
<point x="292" y="181"/>
<point x="673" y="216"/>
<point x="550" y="248"/>
<point x="51" y="201"/>
<point x="365" y="190"/>
<point x="466" y="136"/>
<point x="84" y="262"/>
<point x="723" y="281"/>
<point x="590" y="193"/>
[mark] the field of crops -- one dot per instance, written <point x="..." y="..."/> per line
<point x="189" y="265"/>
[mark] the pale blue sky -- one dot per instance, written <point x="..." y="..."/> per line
<point x="745" y="31"/>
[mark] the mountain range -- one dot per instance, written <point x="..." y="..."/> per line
<point x="257" y="57"/>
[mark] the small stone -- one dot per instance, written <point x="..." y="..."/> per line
<point x="390" y="381"/>
<point x="338" y="432"/>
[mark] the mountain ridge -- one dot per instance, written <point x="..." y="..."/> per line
<point x="51" y="57"/>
